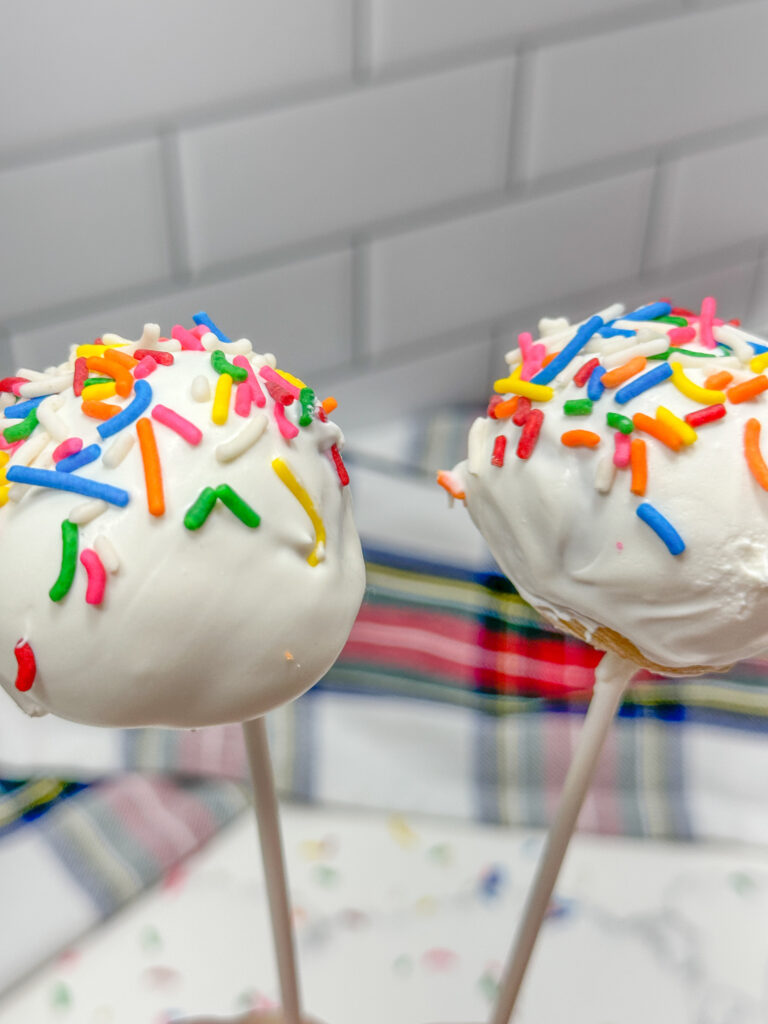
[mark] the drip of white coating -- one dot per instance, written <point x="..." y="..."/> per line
<point x="605" y="473"/>
<point x="47" y="385"/>
<point x="105" y="549"/>
<point x="119" y="448"/>
<point x="49" y="420"/>
<point x="476" y="446"/>
<point x="200" y="389"/>
<point x="87" y="511"/>
<point x="244" y="439"/>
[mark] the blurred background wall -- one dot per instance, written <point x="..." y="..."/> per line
<point x="381" y="191"/>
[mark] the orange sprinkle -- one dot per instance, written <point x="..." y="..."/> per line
<point x="661" y="431"/>
<point x="748" y="389"/>
<point x="549" y="357"/>
<point x="612" y="378"/>
<point x="755" y="460"/>
<point x="329" y="404"/>
<point x="152" y="473"/>
<point x="718" y="381"/>
<point x="580" y="438"/>
<point x="448" y="481"/>
<point x="638" y="462"/>
<point x="99" y="410"/>
<point x="114" y="355"/>
<point x="122" y="378"/>
<point x="503" y="410"/>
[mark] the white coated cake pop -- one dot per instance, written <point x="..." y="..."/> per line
<point x="176" y="539"/>
<point x="621" y="487"/>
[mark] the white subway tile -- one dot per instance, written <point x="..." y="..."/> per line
<point x="731" y="285"/>
<point x="712" y="200"/>
<point x="481" y="267"/>
<point x="456" y="373"/>
<point x="758" y="315"/>
<point x="404" y="30"/>
<point x="81" y="226"/>
<point x="301" y="312"/>
<point x="278" y="178"/>
<point x="80" y="66"/>
<point x="647" y="85"/>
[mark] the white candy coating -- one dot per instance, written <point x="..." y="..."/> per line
<point x="198" y="627"/>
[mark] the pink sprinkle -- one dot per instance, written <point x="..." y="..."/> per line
<point x="177" y="423"/>
<point x="97" y="576"/>
<point x="622" y="447"/>
<point x="279" y="388"/>
<point x="256" y="393"/>
<point x="144" y="368"/>
<point x="200" y="331"/>
<point x="16" y="386"/>
<point x="243" y="398"/>
<point x="681" y="335"/>
<point x="287" y="429"/>
<point x="68" y="447"/>
<point x="619" y="545"/>
<point x="440" y="959"/>
<point x="9" y="446"/>
<point x="707" y="315"/>
<point x="186" y="338"/>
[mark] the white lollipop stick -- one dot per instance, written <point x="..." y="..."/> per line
<point x="268" y="821"/>
<point x="611" y="679"/>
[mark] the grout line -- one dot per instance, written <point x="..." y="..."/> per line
<point x="520" y="119"/>
<point x="175" y="212"/>
<point x="362" y="41"/>
<point x="360" y="340"/>
<point x="653" y="220"/>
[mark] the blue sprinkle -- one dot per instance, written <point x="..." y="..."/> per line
<point x="21" y="410"/>
<point x="609" y="331"/>
<point x="639" y="384"/>
<point x="130" y="413"/>
<point x="203" y="318"/>
<point x="649" y="312"/>
<point x="491" y="882"/>
<point x="595" y="387"/>
<point x="662" y="527"/>
<point x="68" y="482"/>
<point x="572" y="349"/>
<point x="756" y="348"/>
<point x="78" y="459"/>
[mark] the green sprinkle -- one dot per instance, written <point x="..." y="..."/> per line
<point x="21" y="430"/>
<point x="61" y="996"/>
<point x="578" y="407"/>
<point x="307" y="399"/>
<point x="619" y="422"/>
<point x="68" y="561"/>
<point x="198" y="512"/>
<point x="678" y="321"/>
<point x="221" y="364"/>
<point x="325" y="875"/>
<point x="685" y="352"/>
<point x="98" y="380"/>
<point x="237" y="506"/>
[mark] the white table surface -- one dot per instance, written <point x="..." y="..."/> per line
<point x="406" y="922"/>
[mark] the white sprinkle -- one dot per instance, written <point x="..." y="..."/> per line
<point x="87" y="511"/>
<point x="708" y="365"/>
<point x="243" y="439"/>
<point x="150" y="336"/>
<point x="31" y="374"/>
<point x="45" y="385"/>
<point x="270" y="359"/>
<point x="201" y="389"/>
<point x="17" y="492"/>
<point x="737" y="339"/>
<point x="7" y="398"/>
<point x="605" y="473"/>
<point x="610" y="312"/>
<point x="106" y="552"/>
<point x="119" y="448"/>
<point x="476" y="446"/>
<point x="647" y="348"/>
<point x="553" y="325"/>
<point x="49" y="418"/>
<point x="26" y="454"/>
<point x="115" y="339"/>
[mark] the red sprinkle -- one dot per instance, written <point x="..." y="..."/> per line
<point x="705" y="415"/>
<point x="521" y="412"/>
<point x="679" y="311"/>
<point x="492" y="403"/>
<point x="7" y="383"/>
<point x="81" y="375"/>
<point x="499" y="447"/>
<point x="27" y="670"/>
<point x="166" y="358"/>
<point x="581" y="376"/>
<point x="530" y="434"/>
<point x="338" y="462"/>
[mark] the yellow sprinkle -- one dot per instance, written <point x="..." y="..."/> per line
<point x="684" y="430"/>
<point x="291" y="379"/>
<point x="98" y="392"/>
<point x="4" y="494"/>
<point x="220" y="411"/>
<point x="300" y="494"/>
<point x="97" y="350"/>
<point x="401" y="832"/>
<point x="4" y="457"/>
<point x="513" y="385"/>
<point x="759" y="363"/>
<point x="705" y="396"/>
